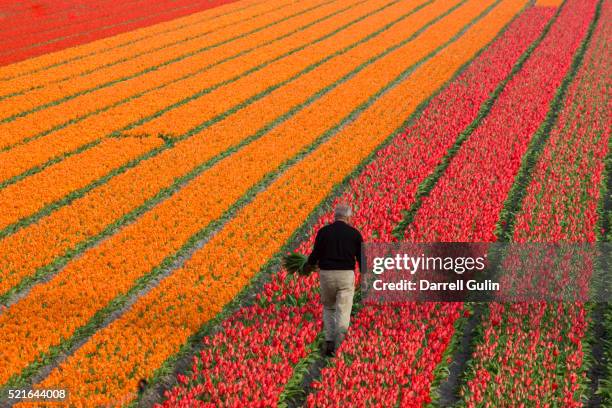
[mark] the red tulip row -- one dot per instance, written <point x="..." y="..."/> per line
<point x="605" y="384"/>
<point x="534" y="352"/>
<point x="384" y="360"/>
<point x="32" y="33"/>
<point x="244" y="364"/>
<point x="466" y="203"/>
<point x="561" y="201"/>
<point x="529" y="353"/>
<point x="463" y="206"/>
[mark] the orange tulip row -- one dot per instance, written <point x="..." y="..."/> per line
<point x="110" y="269"/>
<point x="114" y="84"/>
<point x="109" y="365"/>
<point x="28" y="196"/>
<point x="548" y="3"/>
<point x="190" y="114"/>
<point x="111" y="44"/>
<point x="92" y="128"/>
<point x="58" y="232"/>
<point x="56" y="67"/>
<point x="158" y="66"/>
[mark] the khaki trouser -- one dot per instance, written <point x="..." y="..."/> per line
<point x="337" y="290"/>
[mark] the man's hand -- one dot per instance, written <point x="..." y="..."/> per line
<point x="308" y="269"/>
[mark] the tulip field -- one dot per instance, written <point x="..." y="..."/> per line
<point x="159" y="158"/>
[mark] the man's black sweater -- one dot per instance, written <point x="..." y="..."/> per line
<point x="337" y="246"/>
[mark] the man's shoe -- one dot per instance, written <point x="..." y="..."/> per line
<point x="330" y="348"/>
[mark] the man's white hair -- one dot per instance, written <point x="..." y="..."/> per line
<point x="343" y="211"/>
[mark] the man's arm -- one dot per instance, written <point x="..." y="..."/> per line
<point x="358" y="256"/>
<point x="315" y="255"/>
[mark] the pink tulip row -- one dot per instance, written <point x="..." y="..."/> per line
<point x="560" y="205"/>
<point x="465" y="205"/>
<point x="379" y="194"/>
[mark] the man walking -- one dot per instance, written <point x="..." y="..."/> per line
<point x="337" y="246"/>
